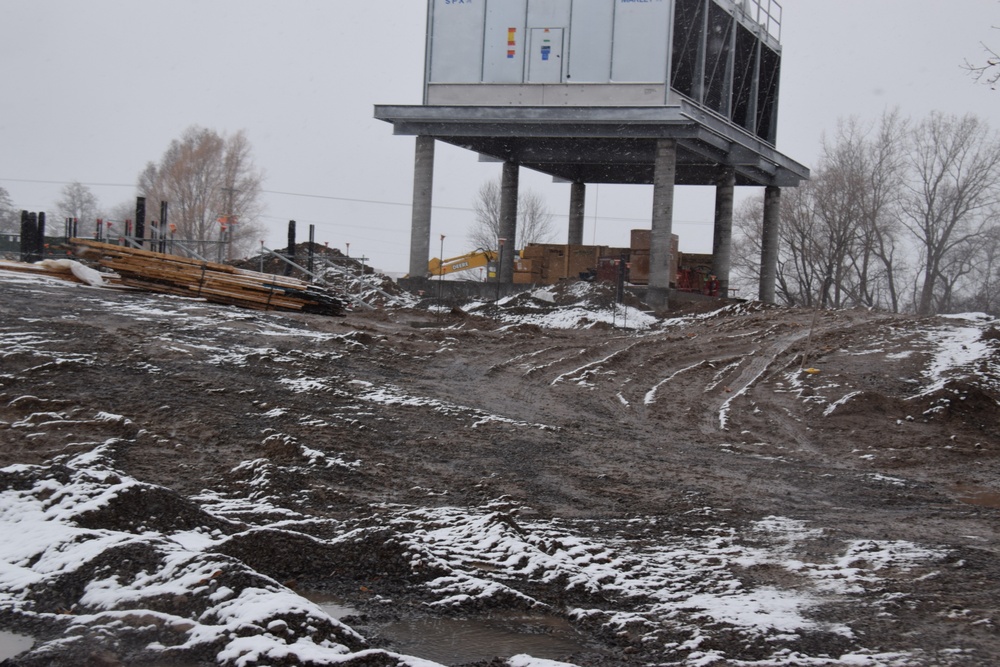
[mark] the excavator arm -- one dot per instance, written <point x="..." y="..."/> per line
<point x="472" y="260"/>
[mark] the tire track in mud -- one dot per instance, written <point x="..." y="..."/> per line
<point x="757" y="367"/>
<point x="640" y="375"/>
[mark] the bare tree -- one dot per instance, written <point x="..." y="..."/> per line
<point x="985" y="294"/>
<point x="866" y="169"/>
<point x="836" y="193"/>
<point x="894" y="212"/>
<point x="748" y="219"/>
<point x="955" y="165"/>
<point x="77" y="201"/>
<point x="884" y="171"/>
<point x="800" y="269"/>
<point x="987" y="72"/>
<point x="10" y="219"/>
<point x="838" y="239"/>
<point x="210" y="182"/>
<point x="534" y="221"/>
<point x="958" y="266"/>
<point x="794" y="276"/>
<point x="802" y="261"/>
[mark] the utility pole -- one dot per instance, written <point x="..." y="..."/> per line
<point x="440" y="279"/>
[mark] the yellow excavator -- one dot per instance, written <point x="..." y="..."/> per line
<point x="473" y="260"/>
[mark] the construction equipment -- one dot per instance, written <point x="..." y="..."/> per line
<point x="473" y="260"/>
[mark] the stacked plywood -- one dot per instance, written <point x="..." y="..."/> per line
<point x="219" y="283"/>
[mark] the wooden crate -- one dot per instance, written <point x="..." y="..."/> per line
<point x="640" y="239"/>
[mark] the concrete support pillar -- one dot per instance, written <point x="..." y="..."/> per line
<point x="423" y="188"/>
<point x="577" y="208"/>
<point x="664" y="176"/>
<point x="769" y="243"/>
<point x="722" y="244"/>
<point x="508" y="219"/>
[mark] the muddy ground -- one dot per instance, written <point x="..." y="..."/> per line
<point x="703" y="426"/>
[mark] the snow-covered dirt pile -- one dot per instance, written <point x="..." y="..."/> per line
<point x="350" y="276"/>
<point x="182" y="483"/>
<point x="570" y="305"/>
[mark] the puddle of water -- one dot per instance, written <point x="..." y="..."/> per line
<point x="337" y="611"/>
<point x="981" y="498"/>
<point x="12" y="644"/>
<point x="332" y="605"/>
<point x="457" y="641"/>
<point x="460" y="640"/>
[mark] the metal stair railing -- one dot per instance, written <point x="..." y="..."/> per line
<point x="316" y="278"/>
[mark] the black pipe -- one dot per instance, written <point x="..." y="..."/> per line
<point x="40" y="236"/>
<point x="312" y="247"/>
<point x="163" y="226"/>
<point x="140" y="221"/>
<point x="290" y="253"/>
<point x="27" y="236"/>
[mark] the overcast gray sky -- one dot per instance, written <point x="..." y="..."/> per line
<point x="94" y="90"/>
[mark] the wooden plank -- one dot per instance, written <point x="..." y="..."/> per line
<point x="182" y="276"/>
<point x="121" y="251"/>
<point x="214" y="294"/>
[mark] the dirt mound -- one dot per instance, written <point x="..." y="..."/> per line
<point x="350" y="275"/>
<point x="964" y="403"/>
<point x="370" y="554"/>
<point x="142" y="507"/>
<point x="868" y="404"/>
<point x="268" y="263"/>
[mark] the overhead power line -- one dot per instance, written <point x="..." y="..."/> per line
<point x="103" y="185"/>
<point x="379" y="202"/>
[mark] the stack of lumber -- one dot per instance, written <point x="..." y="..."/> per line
<point x="219" y="283"/>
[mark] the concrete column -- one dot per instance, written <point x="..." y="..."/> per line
<point x="577" y="207"/>
<point x="769" y="243"/>
<point x="722" y="245"/>
<point x="508" y="219"/>
<point x="423" y="188"/>
<point x="664" y="176"/>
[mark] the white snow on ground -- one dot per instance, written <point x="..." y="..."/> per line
<point x="955" y="347"/>
<point x="581" y="376"/>
<point x="584" y="318"/>
<point x="389" y="395"/>
<point x="528" y="661"/>
<point x="683" y="589"/>
<point x="692" y="584"/>
<point x="263" y="622"/>
<point x="570" y="306"/>
<point x="50" y="545"/>
<point x="650" y="397"/>
<point x="833" y="406"/>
